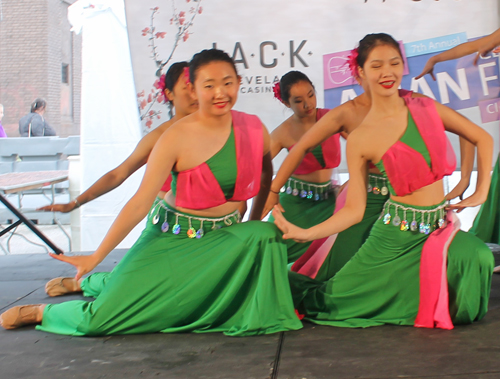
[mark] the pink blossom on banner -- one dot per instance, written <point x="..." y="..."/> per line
<point x="160" y="83"/>
<point x="145" y="31"/>
<point x="143" y="104"/>
<point x="149" y="123"/>
<point x="182" y="14"/>
<point x="185" y="36"/>
<point x="160" y="98"/>
<point x="161" y="34"/>
<point x="200" y="10"/>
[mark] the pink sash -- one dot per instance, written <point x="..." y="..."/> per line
<point x="433" y="310"/>
<point x="197" y="188"/>
<point x="400" y="156"/>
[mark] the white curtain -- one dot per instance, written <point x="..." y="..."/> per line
<point x="110" y="127"/>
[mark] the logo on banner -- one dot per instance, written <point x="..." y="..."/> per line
<point x="270" y="55"/>
<point x="459" y="84"/>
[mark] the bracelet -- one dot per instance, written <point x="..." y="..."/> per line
<point x="77" y="203"/>
<point x="277" y="193"/>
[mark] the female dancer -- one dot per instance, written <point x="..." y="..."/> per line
<point x="175" y="88"/>
<point x="307" y="197"/>
<point x="194" y="268"/>
<point x="381" y="284"/>
<point x="326" y="256"/>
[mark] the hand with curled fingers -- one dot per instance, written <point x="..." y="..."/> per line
<point x="472" y="201"/>
<point x="83" y="263"/>
<point x="290" y="231"/>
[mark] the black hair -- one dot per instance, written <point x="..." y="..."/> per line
<point x="173" y="74"/>
<point x="288" y="80"/>
<point x="370" y="41"/>
<point x="205" y="57"/>
<point x="38" y="104"/>
<point x="171" y="78"/>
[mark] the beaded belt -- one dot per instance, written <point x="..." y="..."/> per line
<point x="308" y="190"/>
<point x="377" y="184"/>
<point x="425" y="226"/>
<point x="217" y="222"/>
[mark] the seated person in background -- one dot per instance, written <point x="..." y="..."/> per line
<point x="33" y="124"/>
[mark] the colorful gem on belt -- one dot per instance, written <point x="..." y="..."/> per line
<point x="404" y="226"/>
<point x="156" y="218"/>
<point x="316" y="197"/>
<point x="396" y="221"/>
<point x="200" y="233"/>
<point x="176" y="229"/>
<point x="387" y="218"/>
<point x="413" y="226"/>
<point x="369" y="188"/>
<point x="427" y="228"/>
<point x="289" y="190"/>
<point x="303" y="193"/>
<point x="282" y="189"/>
<point x="191" y="233"/>
<point x="421" y="228"/>
<point x="376" y="190"/>
<point x="384" y="191"/>
<point x="165" y="226"/>
<point x="295" y="192"/>
<point x="310" y="194"/>
<point x="440" y="223"/>
<point x="325" y="195"/>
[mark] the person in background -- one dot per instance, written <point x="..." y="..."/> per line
<point x="2" y="131"/>
<point x="308" y="195"/>
<point x="33" y="124"/>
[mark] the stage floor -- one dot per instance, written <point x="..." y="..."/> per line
<point x="315" y="352"/>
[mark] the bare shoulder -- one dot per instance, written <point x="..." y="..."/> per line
<point x="282" y="130"/>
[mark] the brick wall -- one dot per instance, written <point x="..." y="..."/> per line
<point x="34" y="43"/>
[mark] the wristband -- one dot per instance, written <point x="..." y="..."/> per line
<point x="77" y="203"/>
<point x="277" y="193"/>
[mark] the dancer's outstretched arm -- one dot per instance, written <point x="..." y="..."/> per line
<point x="115" y="177"/>
<point x="480" y="46"/>
<point x="456" y="123"/>
<point x="328" y="125"/>
<point x="350" y="214"/>
<point x="160" y="163"/>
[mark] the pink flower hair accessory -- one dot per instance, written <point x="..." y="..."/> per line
<point x="277" y="91"/>
<point x="352" y="61"/>
<point x="161" y="86"/>
<point x="186" y="75"/>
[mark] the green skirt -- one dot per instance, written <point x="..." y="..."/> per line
<point x="487" y="222"/>
<point x="305" y="211"/>
<point x="380" y="284"/>
<point x="232" y="280"/>
<point x="350" y="240"/>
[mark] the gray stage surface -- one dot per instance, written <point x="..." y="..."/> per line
<point x="315" y="352"/>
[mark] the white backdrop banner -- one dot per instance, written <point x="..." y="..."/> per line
<point x="268" y="38"/>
